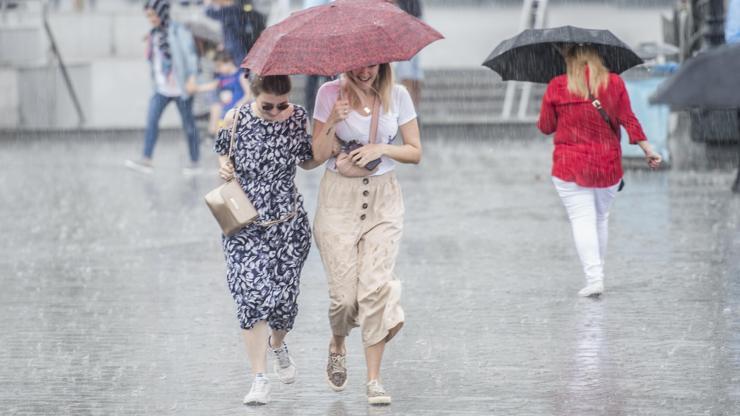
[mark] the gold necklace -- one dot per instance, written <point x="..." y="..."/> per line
<point x="365" y="108"/>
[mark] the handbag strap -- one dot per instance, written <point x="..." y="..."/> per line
<point x="597" y="105"/>
<point x="233" y="132"/>
<point x="374" y="121"/>
<point x="285" y="217"/>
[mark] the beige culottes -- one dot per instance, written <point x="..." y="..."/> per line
<point x="358" y="227"/>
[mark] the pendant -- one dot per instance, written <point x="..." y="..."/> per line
<point x="367" y="110"/>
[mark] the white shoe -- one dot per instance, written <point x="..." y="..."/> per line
<point x="592" y="289"/>
<point x="283" y="363"/>
<point x="259" y="394"/>
<point x="376" y="394"/>
<point x="192" y="170"/>
<point x="142" y="166"/>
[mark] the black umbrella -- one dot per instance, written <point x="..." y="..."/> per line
<point x="533" y="55"/>
<point x="710" y="80"/>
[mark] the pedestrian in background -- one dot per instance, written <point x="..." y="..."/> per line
<point x="264" y="260"/>
<point x="587" y="159"/>
<point x="409" y="73"/>
<point x="174" y="66"/>
<point x="359" y="220"/>
<point x="313" y="81"/>
<point x="732" y="22"/>
<point x="241" y="24"/>
<point x="231" y="88"/>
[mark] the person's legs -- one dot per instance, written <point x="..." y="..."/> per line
<point x="248" y="277"/>
<point x="379" y="292"/>
<point x="157" y="104"/>
<point x="340" y="265"/>
<point x="603" y="197"/>
<point x="289" y="244"/>
<point x="312" y="86"/>
<point x="340" y="262"/>
<point x="581" y="208"/>
<point x="277" y="337"/>
<point x="336" y="238"/>
<point x="185" y="106"/>
<point x="255" y="340"/>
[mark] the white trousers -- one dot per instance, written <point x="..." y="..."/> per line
<point x="588" y="210"/>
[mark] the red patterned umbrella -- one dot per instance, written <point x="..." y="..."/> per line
<point x="337" y="37"/>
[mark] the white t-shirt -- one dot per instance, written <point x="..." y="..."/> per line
<point x="357" y="126"/>
<point x="166" y="83"/>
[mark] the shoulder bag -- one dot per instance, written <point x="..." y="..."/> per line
<point x="229" y="203"/>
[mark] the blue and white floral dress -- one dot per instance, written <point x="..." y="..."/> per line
<point x="264" y="262"/>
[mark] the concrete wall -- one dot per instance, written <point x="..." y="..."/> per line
<point x="114" y="93"/>
<point x="44" y="100"/>
<point x="9" y="106"/>
<point x="22" y="45"/>
<point x="120" y="95"/>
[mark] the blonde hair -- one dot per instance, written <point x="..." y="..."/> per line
<point x="382" y="87"/>
<point x="577" y="59"/>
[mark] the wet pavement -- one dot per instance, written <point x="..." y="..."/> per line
<point x="113" y="297"/>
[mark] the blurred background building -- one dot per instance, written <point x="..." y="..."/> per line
<point x="105" y="82"/>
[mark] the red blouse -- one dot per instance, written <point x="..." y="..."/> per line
<point x="587" y="151"/>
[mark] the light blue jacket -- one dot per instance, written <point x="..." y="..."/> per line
<point x="313" y="3"/>
<point x="732" y="22"/>
<point x="184" y="57"/>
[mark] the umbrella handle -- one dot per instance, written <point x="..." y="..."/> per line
<point x="342" y="83"/>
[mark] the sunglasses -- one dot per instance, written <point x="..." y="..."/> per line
<point x="270" y="106"/>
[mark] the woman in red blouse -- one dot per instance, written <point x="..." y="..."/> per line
<point x="587" y="166"/>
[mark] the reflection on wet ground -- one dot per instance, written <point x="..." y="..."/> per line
<point x="114" y="300"/>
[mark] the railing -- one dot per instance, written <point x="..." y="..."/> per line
<point x="41" y="7"/>
<point x="63" y="68"/>
<point x="533" y="17"/>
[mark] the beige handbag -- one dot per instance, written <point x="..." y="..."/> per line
<point x="229" y="203"/>
<point x="344" y="164"/>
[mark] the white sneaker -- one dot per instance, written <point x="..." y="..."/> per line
<point x="283" y="363"/>
<point x="376" y="394"/>
<point x="259" y="394"/>
<point x="192" y="169"/>
<point x="592" y="289"/>
<point x="142" y="166"/>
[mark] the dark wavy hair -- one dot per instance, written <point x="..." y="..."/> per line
<point x="271" y="84"/>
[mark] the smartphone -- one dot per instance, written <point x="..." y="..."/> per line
<point x="353" y="145"/>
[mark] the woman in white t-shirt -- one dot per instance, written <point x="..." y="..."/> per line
<point x="359" y="220"/>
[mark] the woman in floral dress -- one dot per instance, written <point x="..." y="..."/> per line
<point x="264" y="259"/>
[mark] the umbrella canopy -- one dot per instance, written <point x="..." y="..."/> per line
<point x="532" y="55"/>
<point x="709" y="80"/>
<point x="337" y="37"/>
<point x="205" y="31"/>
